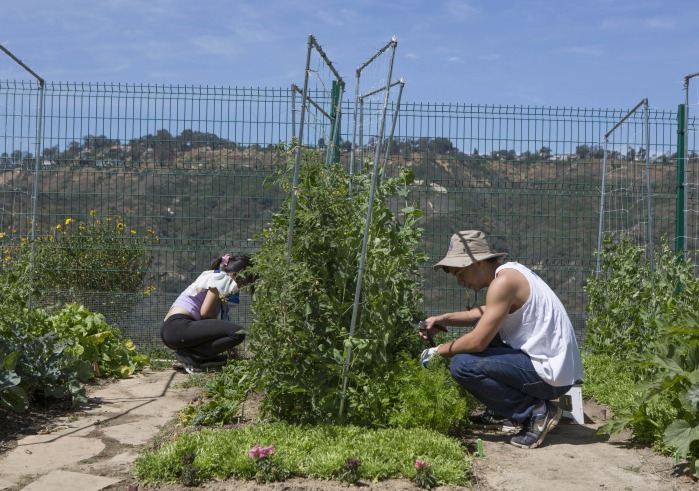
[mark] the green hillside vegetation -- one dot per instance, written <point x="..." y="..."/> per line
<point x="201" y="194"/>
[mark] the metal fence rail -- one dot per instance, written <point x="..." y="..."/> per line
<point x="188" y="163"/>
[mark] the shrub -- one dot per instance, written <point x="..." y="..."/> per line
<point x="48" y="352"/>
<point x="77" y="259"/>
<point x="627" y="302"/>
<point x="303" y="305"/>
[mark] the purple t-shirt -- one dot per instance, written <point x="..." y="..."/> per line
<point x="192" y="304"/>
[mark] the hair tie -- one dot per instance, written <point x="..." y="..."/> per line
<point x="225" y="259"/>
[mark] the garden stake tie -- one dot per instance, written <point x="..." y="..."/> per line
<point x="479" y="444"/>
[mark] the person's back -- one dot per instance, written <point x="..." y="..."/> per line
<point x="542" y="329"/>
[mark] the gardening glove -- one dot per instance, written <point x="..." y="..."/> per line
<point x="427" y="355"/>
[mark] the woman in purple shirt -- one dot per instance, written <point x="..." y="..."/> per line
<point x="193" y="326"/>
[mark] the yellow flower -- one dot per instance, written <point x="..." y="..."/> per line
<point x="58" y="227"/>
<point x="120" y="226"/>
<point x="133" y="232"/>
<point x="69" y="221"/>
<point x="2" y="235"/>
<point x="82" y="227"/>
<point x="93" y="213"/>
<point x="150" y="231"/>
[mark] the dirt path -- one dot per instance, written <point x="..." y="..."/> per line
<point x="574" y="458"/>
<point x="129" y="415"/>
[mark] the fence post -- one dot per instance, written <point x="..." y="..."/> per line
<point x="335" y="126"/>
<point x="679" y="207"/>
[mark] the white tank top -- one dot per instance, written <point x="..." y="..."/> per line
<point x="542" y="329"/>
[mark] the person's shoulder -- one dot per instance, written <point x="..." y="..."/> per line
<point x="509" y="279"/>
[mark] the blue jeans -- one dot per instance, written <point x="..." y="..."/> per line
<point x="504" y="379"/>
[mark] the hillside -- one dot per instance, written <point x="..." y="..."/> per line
<point x="206" y="200"/>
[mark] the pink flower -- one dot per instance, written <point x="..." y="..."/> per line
<point x="260" y="452"/>
<point x="255" y="452"/>
<point x="419" y="464"/>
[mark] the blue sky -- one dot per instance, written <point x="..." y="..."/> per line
<point x="583" y="53"/>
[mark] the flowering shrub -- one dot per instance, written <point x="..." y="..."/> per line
<point x="423" y="475"/>
<point x="76" y="259"/>
<point x="267" y="468"/>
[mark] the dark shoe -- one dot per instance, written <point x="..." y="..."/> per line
<point x="488" y="420"/>
<point x="536" y="427"/>
<point x="191" y="369"/>
<point x="191" y="363"/>
<point x="188" y="357"/>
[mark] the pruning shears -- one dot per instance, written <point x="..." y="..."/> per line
<point x="421" y="326"/>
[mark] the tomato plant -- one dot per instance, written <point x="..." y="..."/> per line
<point x="302" y="308"/>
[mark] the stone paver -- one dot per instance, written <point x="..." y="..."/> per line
<point x="130" y="411"/>
<point x="64" y="480"/>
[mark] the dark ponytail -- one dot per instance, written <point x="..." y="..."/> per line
<point x="235" y="263"/>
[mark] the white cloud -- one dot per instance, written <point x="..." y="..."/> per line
<point x="460" y="10"/>
<point x="492" y="57"/>
<point x="454" y="59"/>
<point x="588" y="50"/>
<point x="216" y="45"/>
<point x="661" y="23"/>
<point x="412" y="56"/>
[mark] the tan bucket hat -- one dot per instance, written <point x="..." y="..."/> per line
<point x="465" y="248"/>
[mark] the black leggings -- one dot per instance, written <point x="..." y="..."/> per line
<point x="204" y="338"/>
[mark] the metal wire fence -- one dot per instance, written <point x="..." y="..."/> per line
<point x="182" y="169"/>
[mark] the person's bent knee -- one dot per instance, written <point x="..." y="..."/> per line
<point x="460" y="365"/>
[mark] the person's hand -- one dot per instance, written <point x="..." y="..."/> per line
<point x="428" y="328"/>
<point x="427" y="355"/>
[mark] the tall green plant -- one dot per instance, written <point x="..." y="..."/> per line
<point x="303" y="305"/>
<point x="627" y="302"/>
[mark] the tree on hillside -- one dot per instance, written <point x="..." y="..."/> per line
<point x="583" y="151"/>
<point x="545" y="153"/>
<point x="190" y="139"/>
<point x="50" y="153"/>
<point x="441" y="146"/>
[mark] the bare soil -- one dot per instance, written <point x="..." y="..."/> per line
<point x="572" y="457"/>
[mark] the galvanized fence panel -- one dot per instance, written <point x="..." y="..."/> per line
<point x="188" y="163"/>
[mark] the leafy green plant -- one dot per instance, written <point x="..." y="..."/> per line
<point x="428" y="397"/>
<point x="12" y="396"/>
<point x="267" y="469"/>
<point x="221" y="398"/>
<point x="675" y="382"/>
<point x="627" y="302"/>
<point x="610" y="381"/>
<point x="312" y="451"/>
<point x="423" y="475"/>
<point x="303" y="305"/>
<point x="96" y="342"/>
<point x="55" y="349"/>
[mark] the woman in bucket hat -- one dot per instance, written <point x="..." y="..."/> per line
<point x="522" y="352"/>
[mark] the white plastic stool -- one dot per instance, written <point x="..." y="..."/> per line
<point x="572" y="404"/>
